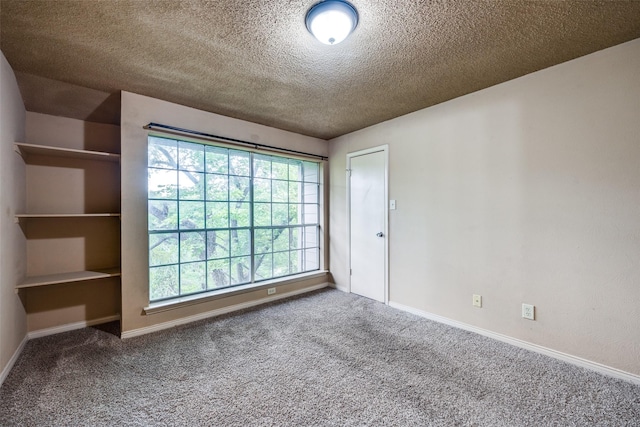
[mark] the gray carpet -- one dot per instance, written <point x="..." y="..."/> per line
<point x="327" y="359"/>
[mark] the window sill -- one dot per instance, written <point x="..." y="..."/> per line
<point x="185" y="301"/>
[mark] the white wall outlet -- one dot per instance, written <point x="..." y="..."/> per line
<point x="392" y="204"/>
<point x="477" y="301"/>
<point x="529" y="311"/>
<point x="271" y="291"/>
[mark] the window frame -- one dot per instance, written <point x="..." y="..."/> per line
<point x="253" y="280"/>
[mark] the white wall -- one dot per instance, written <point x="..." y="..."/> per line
<point x="13" y="324"/>
<point x="528" y="191"/>
<point x="138" y="111"/>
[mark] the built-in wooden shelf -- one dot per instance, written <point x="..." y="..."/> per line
<point x="75" y="276"/>
<point x="26" y="150"/>
<point x="68" y="215"/>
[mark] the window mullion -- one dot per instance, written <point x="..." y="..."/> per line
<point x="251" y="220"/>
<point x="178" y="224"/>
<point x="229" y="238"/>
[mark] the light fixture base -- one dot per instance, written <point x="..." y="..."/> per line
<point x="331" y="21"/>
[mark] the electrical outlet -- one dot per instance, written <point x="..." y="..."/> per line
<point x="528" y="311"/>
<point x="477" y="301"/>
<point x="271" y="291"/>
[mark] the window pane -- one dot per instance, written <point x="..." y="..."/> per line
<point x="261" y="166"/>
<point x="193" y="246"/>
<point x="280" y="214"/>
<point x="261" y="190"/>
<point x="238" y="163"/>
<point x="280" y="264"/>
<point x="311" y="259"/>
<point x="310" y="214"/>
<point x="310" y="193"/>
<point x="240" y="242"/>
<point x="262" y="213"/>
<point x="264" y="268"/>
<point x="311" y="237"/>
<point x="279" y="168"/>
<point x="190" y="156"/>
<point x="218" y="273"/>
<point x="162" y="184"/>
<point x="163" y="153"/>
<point x="163" y="282"/>
<point x="217" y="160"/>
<point x="310" y="171"/>
<point x="240" y="270"/>
<point x="280" y="191"/>
<point x="295" y="170"/>
<point x="217" y="214"/>
<point x="163" y="215"/>
<point x="193" y="278"/>
<point x="191" y="185"/>
<point x="295" y="195"/>
<point x="240" y="215"/>
<point x="295" y="214"/>
<point x="281" y="239"/>
<point x="295" y="240"/>
<point x="163" y="249"/>
<point x="239" y="189"/>
<point x="295" y="262"/>
<point x="217" y="244"/>
<point x="217" y="187"/>
<point x="263" y="241"/>
<point x="191" y="215"/>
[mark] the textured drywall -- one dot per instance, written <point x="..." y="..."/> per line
<point x="57" y="98"/>
<point x="13" y="323"/>
<point x="257" y="62"/>
<point x="526" y="192"/>
<point x="138" y="111"/>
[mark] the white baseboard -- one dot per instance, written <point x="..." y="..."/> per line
<point x="12" y="361"/>
<point x="71" y="326"/>
<point x="167" y="325"/>
<point x="574" y="360"/>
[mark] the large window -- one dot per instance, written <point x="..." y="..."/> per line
<point x="221" y="217"/>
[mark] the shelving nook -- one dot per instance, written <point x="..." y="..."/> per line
<point x="71" y="223"/>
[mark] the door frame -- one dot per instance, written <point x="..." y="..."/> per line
<point x="385" y="149"/>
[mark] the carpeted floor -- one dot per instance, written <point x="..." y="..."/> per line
<point x="326" y="359"/>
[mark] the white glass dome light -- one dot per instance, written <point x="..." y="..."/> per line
<point x="331" y="21"/>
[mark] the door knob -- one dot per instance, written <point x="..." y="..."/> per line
<point x="380" y="234"/>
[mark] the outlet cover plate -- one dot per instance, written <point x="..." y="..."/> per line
<point x="477" y="301"/>
<point x="529" y="311"/>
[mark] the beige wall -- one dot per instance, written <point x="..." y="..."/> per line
<point x="72" y="133"/>
<point x="13" y="324"/>
<point x="56" y="185"/>
<point x="528" y="191"/>
<point x="138" y="111"/>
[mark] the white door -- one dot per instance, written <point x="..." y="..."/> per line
<point x="367" y="207"/>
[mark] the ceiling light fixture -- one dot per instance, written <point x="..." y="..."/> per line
<point x="331" y="21"/>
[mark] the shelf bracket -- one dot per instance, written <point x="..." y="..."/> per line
<point x="17" y="149"/>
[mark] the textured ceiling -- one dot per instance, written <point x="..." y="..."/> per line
<point x="255" y="60"/>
